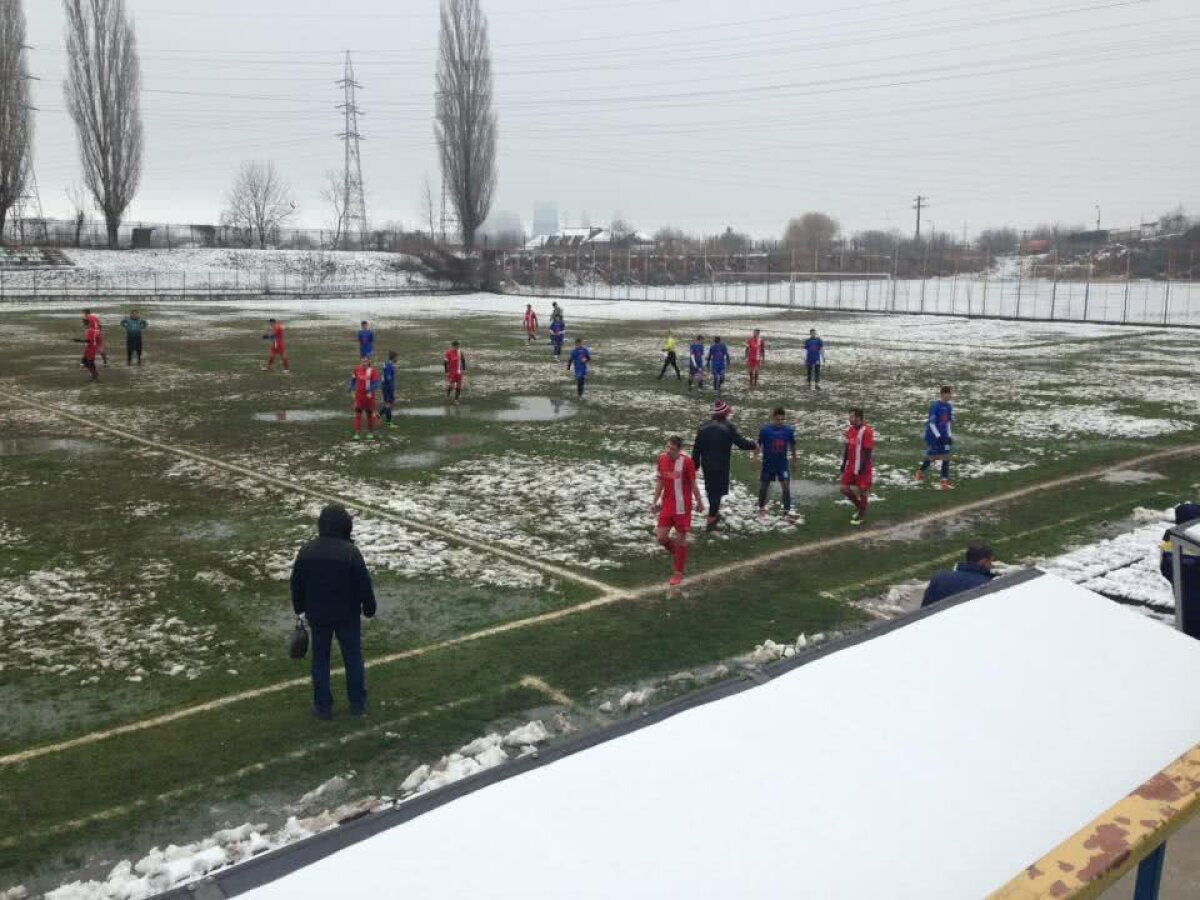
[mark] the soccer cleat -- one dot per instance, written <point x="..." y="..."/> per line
<point x="391" y="425"/>
<point x="945" y="485"/>
<point x="789" y="517"/>
<point x="371" y="436"/>
<point x="919" y="477"/>
<point x="856" y="519"/>
<point x="356" y="437"/>
<point x="762" y="513"/>
<point x="676" y="579"/>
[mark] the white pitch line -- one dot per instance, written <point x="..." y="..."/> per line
<point x="358" y="505"/>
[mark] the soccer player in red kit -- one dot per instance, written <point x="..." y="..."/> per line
<point x="531" y="323"/>
<point x="756" y="352"/>
<point x="275" y="336"/>
<point x="676" y="495"/>
<point x="91" y="342"/>
<point x="91" y="320"/>
<point x="455" y="363"/>
<point x="363" y="384"/>
<point x="858" y="467"/>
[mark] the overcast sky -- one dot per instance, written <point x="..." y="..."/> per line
<point x="694" y="113"/>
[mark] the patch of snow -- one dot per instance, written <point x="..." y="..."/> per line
<point x="534" y="732"/>
<point x="635" y="698"/>
<point x="1131" y="476"/>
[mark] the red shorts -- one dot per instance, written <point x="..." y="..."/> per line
<point x="862" y="480"/>
<point x="754" y="366"/>
<point x="681" y="523"/>
<point x="367" y="405"/>
<point x="454" y="379"/>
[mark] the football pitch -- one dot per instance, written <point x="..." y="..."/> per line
<point x="148" y="523"/>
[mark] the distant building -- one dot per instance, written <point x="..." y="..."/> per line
<point x="545" y="219"/>
<point x="579" y="238"/>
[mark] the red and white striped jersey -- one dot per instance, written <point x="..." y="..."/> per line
<point x="858" y="439"/>
<point x="678" y="477"/>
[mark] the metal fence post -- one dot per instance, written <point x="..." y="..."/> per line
<point x="1054" y="287"/>
<point x="1087" y="291"/>
<point x="1125" y="305"/>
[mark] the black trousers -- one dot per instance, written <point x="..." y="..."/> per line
<point x="133" y="346"/>
<point x="715" y="489"/>
<point x="813" y="372"/>
<point x="670" y="363"/>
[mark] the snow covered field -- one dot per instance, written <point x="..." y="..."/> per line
<point x="523" y="466"/>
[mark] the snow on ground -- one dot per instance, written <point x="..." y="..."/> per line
<point x="248" y="268"/>
<point x="1125" y="567"/>
<point x="55" y="622"/>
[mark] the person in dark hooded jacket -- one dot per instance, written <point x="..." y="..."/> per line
<point x="331" y="588"/>
<point x="974" y="571"/>
<point x="1189" y="567"/>
<point x="711" y="453"/>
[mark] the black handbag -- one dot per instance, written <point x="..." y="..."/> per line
<point x="298" y="646"/>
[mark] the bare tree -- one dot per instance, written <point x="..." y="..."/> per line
<point x="811" y="231"/>
<point x="333" y="196"/>
<point x="259" y="201"/>
<point x="427" y="209"/>
<point x="77" y="197"/>
<point x="465" y="124"/>
<point x="103" y="94"/>
<point x="16" y="115"/>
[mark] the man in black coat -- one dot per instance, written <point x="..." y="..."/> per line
<point x="711" y="451"/>
<point x="331" y="588"/>
<point x="1189" y="568"/>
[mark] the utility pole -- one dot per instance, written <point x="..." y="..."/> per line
<point x="1097" y="216"/>
<point x="920" y="203"/>
<point x="354" y="204"/>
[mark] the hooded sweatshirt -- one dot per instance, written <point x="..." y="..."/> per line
<point x="330" y="581"/>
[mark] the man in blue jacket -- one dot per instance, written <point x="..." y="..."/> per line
<point x="975" y="572"/>
<point x="331" y="588"/>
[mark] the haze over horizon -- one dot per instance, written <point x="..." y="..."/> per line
<point x="676" y="112"/>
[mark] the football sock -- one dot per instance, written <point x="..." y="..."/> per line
<point x="945" y="469"/>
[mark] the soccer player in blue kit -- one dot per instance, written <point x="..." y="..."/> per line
<point x="937" y="436"/>
<point x="389" y="387"/>
<point x="814" y="356"/>
<point x="776" y="441"/>
<point x="558" y="331"/>
<point x="366" y="340"/>
<point x="718" y="359"/>
<point x="580" y="357"/>
<point x="696" y="362"/>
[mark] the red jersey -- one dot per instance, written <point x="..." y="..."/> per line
<point x="366" y="382"/>
<point x="530" y="320"/>
<point x="455" y="363"/>
<point x="756" y="349"/>
<point x="93" y="321"/>
<point x="91" y="339"/>
<point x="678" y="477"/>
<point x="858" y="440"/>
<point x="277" y="337"/>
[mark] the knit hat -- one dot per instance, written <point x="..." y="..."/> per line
<point x="722" y="410"/>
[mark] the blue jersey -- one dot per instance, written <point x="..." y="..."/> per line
<point x="389" y="379"/>
<point x="696" y="356"/>
<point x="775" y="441"/>
<point x="937" y="429"/>
<point x="580" y="357"/>
<point x="366" y="342"/>
<point x="718" y="356"/>
<point x="558" y="329"/>
<point x="813" y="350"/>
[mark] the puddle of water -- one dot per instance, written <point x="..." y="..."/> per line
<point x="534" y="409"/>
<point x="419" y="460"/>
<point x="74" y="446"/>
<point x="427" y="412"/>
<point x="298" y="416"/>
<point x="455" y="441"/>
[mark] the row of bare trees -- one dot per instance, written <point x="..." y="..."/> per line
<point x="103" y="91"/>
